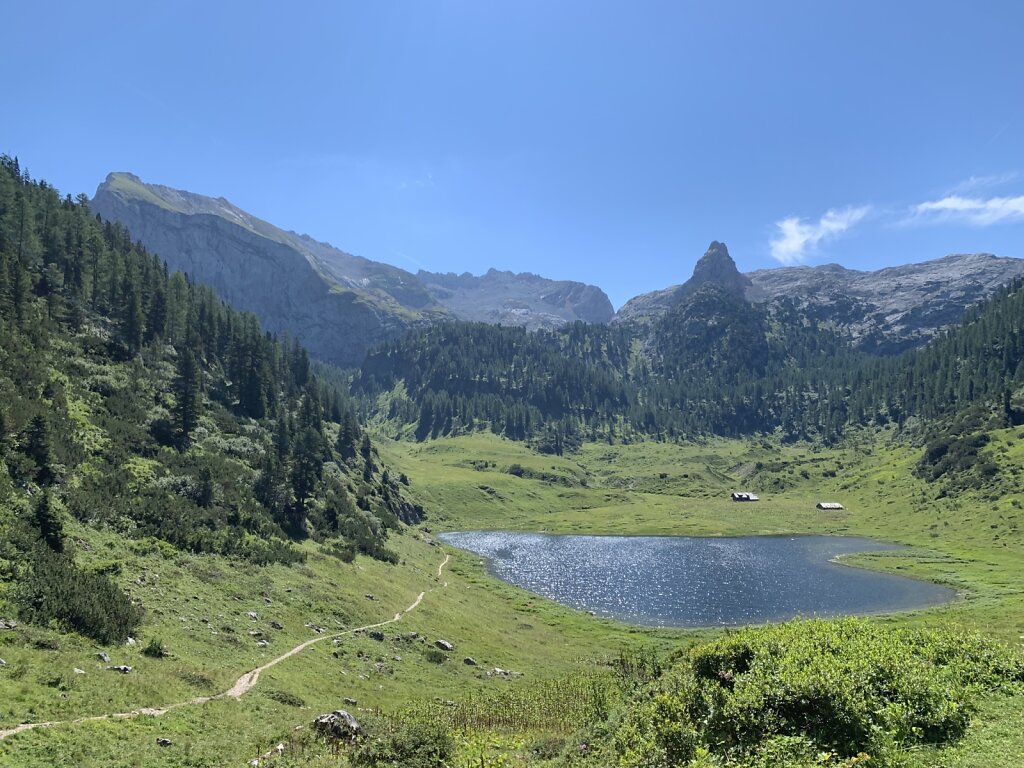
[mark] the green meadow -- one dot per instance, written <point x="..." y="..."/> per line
<point x="197" y="606"/>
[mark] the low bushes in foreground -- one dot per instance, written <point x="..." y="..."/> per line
<point x="815" y="692"/>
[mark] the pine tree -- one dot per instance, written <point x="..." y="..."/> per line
<point x="48" y="522"/>
<point x="188" y="391"/>
<point x="37" y="448"/>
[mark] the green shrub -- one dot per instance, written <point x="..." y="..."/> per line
<point x="55" y="589"/>
<point x="410" y="745"/>
<point x="842" y="688"/>
<point x="283" y="697"/>
<point x="155" y="649"/>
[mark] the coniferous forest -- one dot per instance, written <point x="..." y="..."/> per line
<point x="714" y="365"/>
<point x="135" y="401"/>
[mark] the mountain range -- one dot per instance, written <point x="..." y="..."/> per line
<point x="340" y="305"/>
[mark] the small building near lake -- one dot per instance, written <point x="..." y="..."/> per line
<point x="744" y="496"/>
<point x="829" y="505"/>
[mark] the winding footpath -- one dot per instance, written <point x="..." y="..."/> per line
<point x="242" y="686"/>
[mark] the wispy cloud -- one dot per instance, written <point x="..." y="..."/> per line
<point x="979" y="211"/>
<point x="418" y="183"/>
<point x="975" y="183"/>
<point x="798" y="238"/>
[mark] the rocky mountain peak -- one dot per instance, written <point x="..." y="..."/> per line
<point x="717" y="268"/>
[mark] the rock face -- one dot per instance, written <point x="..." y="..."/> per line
<point x="715" y="268"/>
<point x="891" y="309"/>
<point x="885" y="311"/>
<point x="507" y="298"/>
<point x="337" y="304"/>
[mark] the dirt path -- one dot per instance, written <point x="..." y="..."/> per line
<point x="242" y="686"/>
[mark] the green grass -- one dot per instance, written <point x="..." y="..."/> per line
<point x="970" y="543"/>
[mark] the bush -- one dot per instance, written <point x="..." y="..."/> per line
<point x="155" y="649"/>
<point x="55" y="589"/>
<point x="410" y="745"/>
<point x="839" y="687"/>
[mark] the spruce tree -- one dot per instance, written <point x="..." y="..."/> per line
<point x="188" y="391"/>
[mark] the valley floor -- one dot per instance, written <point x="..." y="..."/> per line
<point x="199" y="607"/>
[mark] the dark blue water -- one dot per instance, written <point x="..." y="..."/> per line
<point x="678" y="581"/>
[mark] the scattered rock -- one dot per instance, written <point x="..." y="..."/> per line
<point x="266" y="600"/>
<point x="499" y="672"/>
<point x="397" y="658"/>
<point x="77" y="670"/>
<point x="4" y="664"/>
<point x="8" y="624"/>
<point x="444" y="645"/>
<point x="130" y="641"/>
<point x="252" y="615"/>
<point x="255" y="633"/>
<point x="413" y="635"/>
<point x="370" y="597"/>
<point x="275" y="625"/>
<point x="377" y="635"/>
<point x="162" y="742"/>
<point x="262" y="643"/>
<point x="338" y="725"/>
<point x="316" y="628"/>
<point x="469" y="661"/>
<point x="124" y="669"/>
<point x="351" y="702"/>
<point x="103" y="657"/>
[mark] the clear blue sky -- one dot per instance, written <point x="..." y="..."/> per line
<point x="604" y="142"/>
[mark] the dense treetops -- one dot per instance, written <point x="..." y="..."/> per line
<point x="715" y="364"/>
<point x="132" y="399"/>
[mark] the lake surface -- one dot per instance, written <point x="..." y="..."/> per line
<point x="678" y="581"/>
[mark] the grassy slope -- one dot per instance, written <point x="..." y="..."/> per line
<point x="971" y="544"/>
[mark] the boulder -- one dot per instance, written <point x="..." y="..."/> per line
<point x="469" y="661"/>
<point x="8" y="624"/>
<point x="377" y="635"/>
<point x="3" y="663"/>
<point x="338" y="725"/>
<point x="124" y="669"/>
<point x="103" y="657"/>
<point x="444" y="645"/>
<point x="79" y="671"/>
<point x="252" y="615"/>
<point x="276" y="625"/>
<point x="162" y="742"/>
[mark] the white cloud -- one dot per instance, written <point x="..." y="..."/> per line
<point x="983" y="182"/>
<point x="973" y="210"/>
<point x="797" y="238"/>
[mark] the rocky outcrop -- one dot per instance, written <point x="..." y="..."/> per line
<point x="715" y="268"/>
<point x="891" y="309"/>
<point x="884" y="311"/>
<point x="509" y="298"/>
<point x="336" y="304"/>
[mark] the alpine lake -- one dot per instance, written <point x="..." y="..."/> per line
<point x="679" y="581"/>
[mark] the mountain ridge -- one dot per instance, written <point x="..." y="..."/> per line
<point x="341" y="305"/>
<point x="338" y="304"/>
<point x="883" y="311"/>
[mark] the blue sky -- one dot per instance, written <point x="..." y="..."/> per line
<point x="589" y="140"/>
